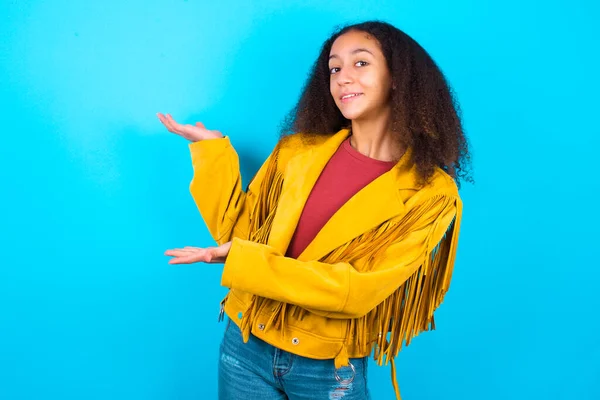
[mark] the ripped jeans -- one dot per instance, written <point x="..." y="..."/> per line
<point x="258" y="371"/>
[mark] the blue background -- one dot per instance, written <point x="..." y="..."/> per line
<point x="94" y="190"/>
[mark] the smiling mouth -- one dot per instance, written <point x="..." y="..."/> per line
<point x="349" y="97"/>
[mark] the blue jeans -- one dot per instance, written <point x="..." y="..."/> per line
<point x="258" y="371"/>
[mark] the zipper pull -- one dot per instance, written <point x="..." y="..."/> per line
<point x="222" y="311"/>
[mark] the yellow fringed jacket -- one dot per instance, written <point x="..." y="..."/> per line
<point x="371" y="278"/>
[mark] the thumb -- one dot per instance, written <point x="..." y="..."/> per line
<point x="200" y="125"/>
<point x="221" y="251"/>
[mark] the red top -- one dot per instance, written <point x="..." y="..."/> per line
<point x="345" y="174"/>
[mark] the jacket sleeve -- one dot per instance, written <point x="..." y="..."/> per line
<point x="216" y="188"/>
<point x="336" y="290"/>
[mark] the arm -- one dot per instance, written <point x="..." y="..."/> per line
<point x="337" y="290"/>
<point x="217" y="189"/>
<point x="216" y="185"/>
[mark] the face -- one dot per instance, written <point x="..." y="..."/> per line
<point x="360" y="80"/>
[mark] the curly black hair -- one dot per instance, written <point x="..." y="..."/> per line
<point x="425" y="112"/>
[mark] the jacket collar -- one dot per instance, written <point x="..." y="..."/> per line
<point x="375" y="203"/>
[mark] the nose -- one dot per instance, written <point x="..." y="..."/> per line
<point x="344" y="77"/>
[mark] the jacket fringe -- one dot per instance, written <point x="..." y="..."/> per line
<point x="399" y="318"/>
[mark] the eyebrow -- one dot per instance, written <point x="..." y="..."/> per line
<point x="353" y="52"/>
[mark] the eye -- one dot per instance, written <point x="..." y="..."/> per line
<point x="361" y="63"/>
<point x="334" y="70"/>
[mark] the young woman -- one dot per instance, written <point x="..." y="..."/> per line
<point x="344" y="242"/>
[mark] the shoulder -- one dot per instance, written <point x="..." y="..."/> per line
<point x="440" y="186"/>
<point x="301" y="141"/>
<point x="442" y="181"/>
<point x="296" y="143"/>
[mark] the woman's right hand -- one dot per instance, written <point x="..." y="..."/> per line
<point x="192" y="133"/>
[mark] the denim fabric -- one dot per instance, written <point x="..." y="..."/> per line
<point x="257" y="370"/>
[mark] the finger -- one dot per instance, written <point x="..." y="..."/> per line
<point x="179" y="252"/>
<point x="174" y="126"/>
<point x="220" y="252"/>
<point x="187" y="129"/>
<point x="200" y="125"/>
<point x="196" y="257"/>
<point x="163" y="119"/>
<point x="168" y="123"/>
<point x="191" y="248"/>
<point x="171" y="119"/>
<point x="186" y="249"/>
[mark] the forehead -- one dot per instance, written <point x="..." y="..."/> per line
<point x="352" y="40"/>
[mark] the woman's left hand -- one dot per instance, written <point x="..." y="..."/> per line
<point x="189" y="255"/>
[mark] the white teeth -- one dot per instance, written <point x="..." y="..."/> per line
<point x="350" y="95"/>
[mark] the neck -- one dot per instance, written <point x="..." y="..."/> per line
<point x="374" y="139"/>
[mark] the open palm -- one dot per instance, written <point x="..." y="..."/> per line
<point x="192" y="133"/>
<point x="189" y="255"/>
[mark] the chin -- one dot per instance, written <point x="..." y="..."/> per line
<point x="350" y="113"/>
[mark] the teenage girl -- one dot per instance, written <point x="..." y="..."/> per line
<point x="343" y="244"/>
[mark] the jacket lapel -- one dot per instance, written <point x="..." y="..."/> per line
<point x="375" y="203"/>
<point x="301" y="174"/>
